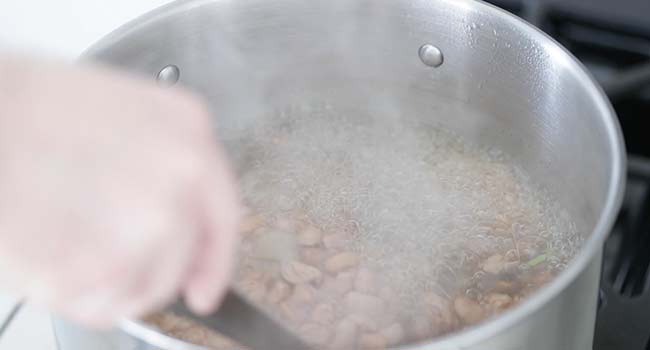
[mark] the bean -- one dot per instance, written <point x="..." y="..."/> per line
<point x="421" y="327"/>
<point x="393" y="333"/>
<point x="313" y="256"/>
<point x="169" y="321"/>
<point x="286" y="224"/>
<point x="498" y="302"/>
<point x="370" y="313"/>
<point x="249" y="273"/>
<point x="469" y="311"/>
<point x="278" y="292"/>
<point x="335" y="241"/>
<point x="366" y="281"/>
<point x="504" y="286"/>
<point x="296" y="272"/>
<point x="251" y="223"/>
<point x="502" y="223"/>
<point x="293" y="312"/>
<point x="314" y="333"/>
<point x="341" y="261"/>
<point x="344" y="334"/>
<point x="387" y="293"/>
<point x="494" y="264"/>
<point x="440" y="309"/>
<point x="275" y="246"/>
<point x="444" y="321"/>
<point x="339" y="285"/>
<point x="347" y="277"/>
<point x="323" y="314"/>
<point x="253" y="289"/>
<point x="364" y="303"/>
<point x="373" y="341"/>
<point x="510" y="267"/>
<point x="541" y="278"/>
<point x="388" y="318"/>
<point x="434" y="301"/>
<point x="365" y="322"/>
<point x="303" y="294"/>
<point x="310" y="236"/>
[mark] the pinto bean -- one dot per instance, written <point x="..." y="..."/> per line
<point x="506" y="287"/>
<point x="364" y="303"/>
<point x="309" y="236"/>
<point x="286" y="224"/>
<point x="313" y="256"/>
<point x="494" y="264"/>
<point x="469" y="311"/>
<point x="335" y="241"/>
<point x="314" y="333"/>
<point x="251" y="223"/>
<point x="292" y="312"/>
<point x="253" y="289"/>
<point x="393" y="333"/>
<point x="279" y="291"/>
<point x="366" y="281"/>
<point x="323" y="314"/>
<point x="421" y="327"/>
<point x="339" y="285"/>
<point x="498" y="301"/>
<point x="341" y="262"/>
<point x="373" y="341"/>
<point x="441" y="312"/>
<point x="365" y="322"/>
<point x="387" y="293"/>
<point x="303" y="294"/>
<point x="345" y="334"/>
<point x="296" y="272"/>
<point x="541" y="278"/>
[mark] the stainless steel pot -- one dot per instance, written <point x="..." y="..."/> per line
<point x="487" y="76"/>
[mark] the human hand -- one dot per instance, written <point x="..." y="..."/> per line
<point x="114" y="195"/>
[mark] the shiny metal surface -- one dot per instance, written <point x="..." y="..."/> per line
<point x="168" y="76"/>
<point x="503" y="84"/>
<point x="431" y="55"/>
<point x="244" y="323"/>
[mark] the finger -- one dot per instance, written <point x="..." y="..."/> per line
<point x="162" y="279"/>
<point x="95" y="309"/>
<point x="78" y="298"/>
<point x="214" y="265"/>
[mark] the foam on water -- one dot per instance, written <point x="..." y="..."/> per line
<point x="424" y="206"/>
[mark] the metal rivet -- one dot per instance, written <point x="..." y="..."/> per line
<point x="168" y="76"/>
<point x="431" y="55"/>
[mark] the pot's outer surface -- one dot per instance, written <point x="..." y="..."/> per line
<point x="502" y="84"/>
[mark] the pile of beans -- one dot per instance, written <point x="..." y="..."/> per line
<point x="372" y="230"/>
<point x="328" y="294"/>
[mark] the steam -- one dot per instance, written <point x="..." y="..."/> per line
<point x="413" y="195"/>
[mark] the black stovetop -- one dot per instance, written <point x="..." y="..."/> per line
<point x="612" y="38"/>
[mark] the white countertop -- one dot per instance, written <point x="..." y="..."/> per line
<point x="61" y="28"/>
<point x="64" y="27"/>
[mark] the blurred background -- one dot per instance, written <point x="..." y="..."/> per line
<point x="64" y="28"/>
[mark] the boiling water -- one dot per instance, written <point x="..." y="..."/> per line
<point x="422" y="204"/>
<point x="452" y="233"/>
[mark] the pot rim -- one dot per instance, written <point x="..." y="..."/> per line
<point x="593" y="245"/>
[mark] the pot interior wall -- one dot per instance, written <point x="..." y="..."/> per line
<point x="498" y="87"/>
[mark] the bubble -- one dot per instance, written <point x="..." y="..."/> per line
<point x="473" y="293"/>
<point x="421" y="208"/>
<point x="512" y="255"/>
